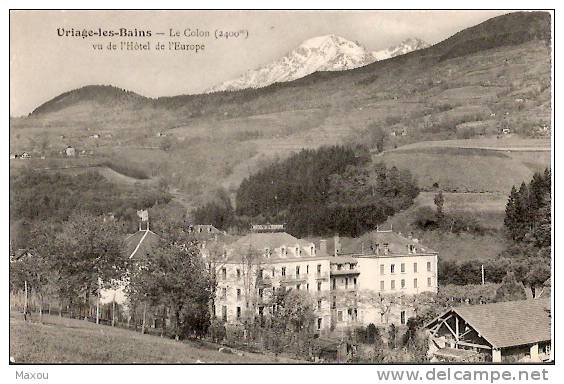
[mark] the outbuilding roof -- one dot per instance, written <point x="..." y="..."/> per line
<point x="509" y="323"/>
<point x="140" y="243"/>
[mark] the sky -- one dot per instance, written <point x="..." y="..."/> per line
<point x="44" y="64"/>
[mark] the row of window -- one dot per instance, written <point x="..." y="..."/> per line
<point x="284" y="251"/>
<point x="223" y="292"/>
<point x="403" y="284"/>
<point x="298" y="270"/>
<point x="345" y="283"/>
<point x="402" y="268"/>
<point x="283" y="270"/>
<point x="351" y="312"/>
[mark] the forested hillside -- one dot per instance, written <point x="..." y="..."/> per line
<point x="319" y="192"/>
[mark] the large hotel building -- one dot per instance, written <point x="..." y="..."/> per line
<point x="369" y="280"/>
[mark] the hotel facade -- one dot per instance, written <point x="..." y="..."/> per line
<point x="348" y="287"/>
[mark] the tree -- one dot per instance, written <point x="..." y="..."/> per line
<point x="510" y="289"/>
<point x="439" y="204"/>
<point x="538" y="273"/>
<point x="382" y="302"/>
<point x="374" y="337"/>
<point x="175" y="277"/>
<point x="392" y="336"/>
<point x="510" y="221"/>
<point x="33" y="267"/>
<point x="297" y="312"/>
<point x="377" y="136"/>
<point x="89" y="256"/>
<point x="219" y="212"/>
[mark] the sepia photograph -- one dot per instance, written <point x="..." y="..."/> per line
<point x="292" y="187"/>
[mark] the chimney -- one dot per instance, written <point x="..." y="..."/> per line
<point x="323" y="247"/>
<point x="337" y="244"/>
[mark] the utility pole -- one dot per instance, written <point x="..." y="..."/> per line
<point x="113" y="312"/>
<point x="144" y="312"/>
<point x="25" y="300"/>
<point x="483" y="278"/>
<point x="98" y="307"/>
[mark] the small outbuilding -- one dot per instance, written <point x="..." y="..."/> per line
<point x="70" y="151"/>
<point x="512" y="331"/>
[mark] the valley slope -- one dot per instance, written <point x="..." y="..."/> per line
<point x="480" y="81"/>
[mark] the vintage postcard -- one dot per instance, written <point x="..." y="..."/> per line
<point x="281" y="187"/>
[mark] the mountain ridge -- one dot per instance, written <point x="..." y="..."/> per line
<point x="320" y="53"/>
<point x="505" y="30"/>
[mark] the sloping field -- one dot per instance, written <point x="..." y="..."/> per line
<point x="473" y="166"/>
<point x="62" y="340"/>
<point x="487" y="208"/>
<point x="506" y="143"/>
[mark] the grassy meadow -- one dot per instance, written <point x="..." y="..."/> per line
<point x="63" y="340"/>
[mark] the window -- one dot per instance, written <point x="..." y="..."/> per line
<point x="297" y="271"/>
<point x="319" y="305"/>
<point x="312" y="251"/>
<point x="283" y="250"/>
<point x="283" y="271"/>
<point x="298" y="286"/>
<point x="351" y="266"/>
<point x="319" y="321"/>
<point x="392" y="268"/>
<point x="346" y="283"/>
<point x="318" y="269"/>
<point x="224" y="313"/>
<point x="415" y="267"/>
<point x="224" y="293"/>
<point x="402" y="267"/>
<point x="334" y="302"/>
<point x="381" y="285"/>
<point x="238" y="273"/>
<point x="393" y="284"/>
<point x="224" y="273"/>
<point x="381" y="269"/>
<point x="354" y="282"/>
<point x="428" y="266"/>
<point x="402" y="283"/>
<point x="334" y="281"/>
<point x="307" y="287"/>
<point x="273" y="271"/>
<point x="402" y="317"/>
<point x="238" y="293"/>
<point x="319" y="286"/>
<point x="428" y="281"/>
<point x="340" y="316"/>
<point x="414" y="283"/>
<point x="261" y="273"/>
<point x="339" y="266"/>
<point x="238" y="313"/>
<point x="307" y="269"/>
